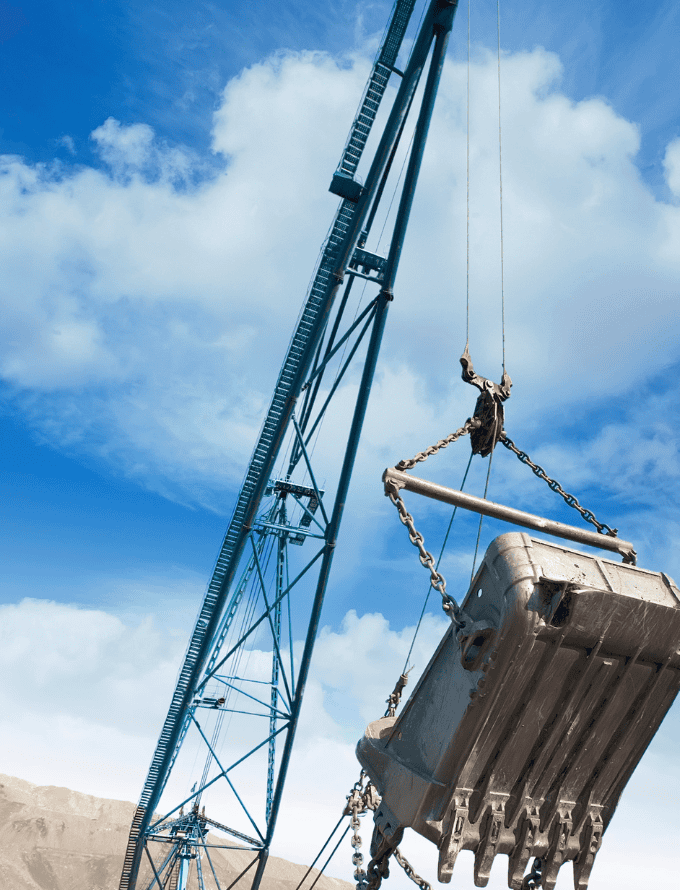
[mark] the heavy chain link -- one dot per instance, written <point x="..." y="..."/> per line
<point x="588" y="515"/>
<point x="437" y="580"/>
<point x="409" y="463"/>
<point x="359" y="800"/>
<point x="408" y="868"/>
<point x="378" y="870"/>
<point x="533" y="881"/>
<point x="395" y="696"/>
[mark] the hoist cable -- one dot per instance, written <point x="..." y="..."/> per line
<point x="441" y="554"/>
<point x="481" y="519"/>
<point x="467" y="226"/>
<point x="500" y="179"/>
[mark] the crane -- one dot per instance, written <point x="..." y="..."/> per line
<point x="273" y="567"/>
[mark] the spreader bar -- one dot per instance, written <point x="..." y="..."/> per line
<point x="508" y="514"/>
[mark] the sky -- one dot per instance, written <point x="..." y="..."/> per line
<point x="163" y="184"/>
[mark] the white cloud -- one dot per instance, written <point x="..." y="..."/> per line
<point x="68" y="143"/>
<point x="87" y="663"/>
<point x="147" y="309"/>
<point x="84" y="694"/>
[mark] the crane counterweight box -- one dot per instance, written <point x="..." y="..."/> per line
<point x="526" y="725"/>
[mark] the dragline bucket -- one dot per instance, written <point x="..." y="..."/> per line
<point x="526" y="725"/>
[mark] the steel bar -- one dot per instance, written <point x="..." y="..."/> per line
<point x="507" y="514"/>
<point x="246" y="869"/>
<point x="338" y="379"/>
<point x="288" y="529"/>
<point x="224" y="772"/>
<point x="275" y="606"/>
<point x="442" y="20"/>
<point x="311" y="392"/>
<point x="210" y="862"/>
<point x="309" y="513"/>
<point x="259" y="621"/>
<point x="345" y="336"/>
<point x="282" y="714"/>
<point x="195" y="794"/>
<point x="156" y="875"/>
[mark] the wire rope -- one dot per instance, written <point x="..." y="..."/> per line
<point x="500" y="179"/>
<point x="441" y="554"/>
<point x="246" y="615"/>
<point x="481" y="519"/>
<point x="335" y="850"/>
<point x="467" y="204"/>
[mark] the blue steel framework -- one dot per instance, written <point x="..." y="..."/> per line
<point x="249" y="596"/>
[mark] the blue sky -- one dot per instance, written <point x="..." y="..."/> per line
<point x="163" y="199"/>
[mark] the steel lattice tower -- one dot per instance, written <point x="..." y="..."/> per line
<point x="281" y="539"/>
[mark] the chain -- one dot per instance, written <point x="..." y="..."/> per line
<point x="359" y="800"/>
<point x="437" y="580"/>
<point x="395" y="696"/>
<point x="408" y="868"/>
<point x="533" y="881"/>
<point x="378" y="870"/>
<point x="588" y="515"/>
<point x="409" y="463"/>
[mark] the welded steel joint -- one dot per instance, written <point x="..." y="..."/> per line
<point x="489" y="407"/>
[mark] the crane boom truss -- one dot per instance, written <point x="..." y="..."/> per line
<point x="312" y="348"/>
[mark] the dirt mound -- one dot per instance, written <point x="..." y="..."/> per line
<point x="57" y="839"/>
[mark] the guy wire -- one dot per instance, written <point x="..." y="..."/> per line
<point x="500" y="177"/>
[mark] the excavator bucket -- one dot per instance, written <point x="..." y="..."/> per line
<point x="526" y="725"/>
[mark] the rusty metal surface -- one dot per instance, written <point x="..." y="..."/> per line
<point x="525" y="727"/>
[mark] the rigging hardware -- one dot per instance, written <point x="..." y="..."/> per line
<point x="489" y="408"/>
<point x="543" y="695"/>
<point x="395" y="479"/>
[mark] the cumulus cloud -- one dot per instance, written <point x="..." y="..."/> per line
<point x="148" y="303"/>
<point x="85" y="693"/>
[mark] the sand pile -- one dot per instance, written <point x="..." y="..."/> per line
<point x="56" y="839"/>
